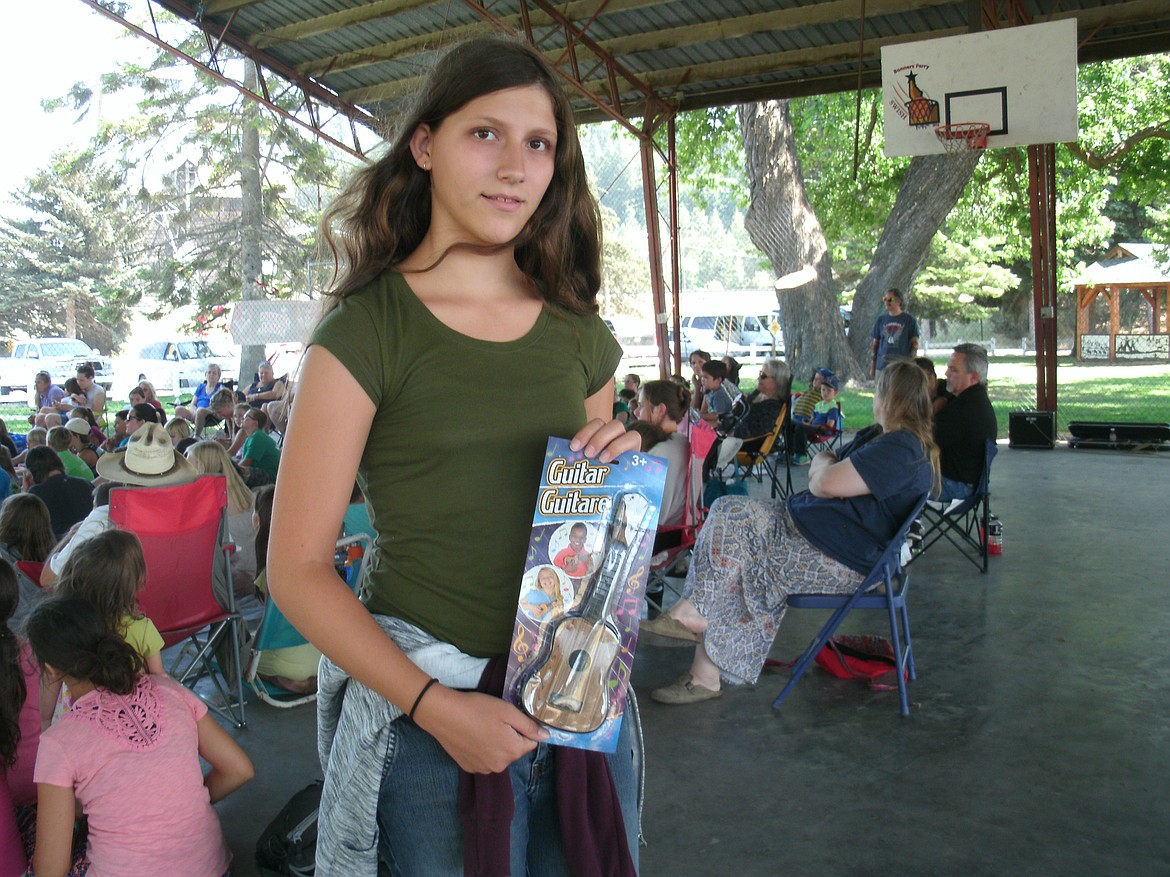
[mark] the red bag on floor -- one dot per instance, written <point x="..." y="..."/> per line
<point x="858" y="657"/>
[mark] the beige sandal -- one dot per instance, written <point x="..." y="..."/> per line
<point x="669" y="627"/>
<point x="685" y="690"/>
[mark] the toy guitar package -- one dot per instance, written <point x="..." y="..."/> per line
<point x="581" y="593"/>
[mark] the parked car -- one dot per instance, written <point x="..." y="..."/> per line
<point x="721" y="334"/>
<point x="60" y="357"/>
<point x="177" y="367"/>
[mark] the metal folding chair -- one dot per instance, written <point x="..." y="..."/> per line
<point x="673" y="543"/>
<point x="885" y="587"/>
<point x="765" y="459"/>
<point x="963" y="525"/>
<point x="276" y="632"/>
<point x="828" y="438"/>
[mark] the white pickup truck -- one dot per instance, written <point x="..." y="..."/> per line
<point x="60" y="357"/>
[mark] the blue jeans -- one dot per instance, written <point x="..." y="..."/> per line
<point x="420" y="833"/>
<point x="952" y="490"/>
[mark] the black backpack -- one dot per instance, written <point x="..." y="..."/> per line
<point x="288" y="846"/>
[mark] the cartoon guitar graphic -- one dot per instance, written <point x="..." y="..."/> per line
<point x="568" y="689"/>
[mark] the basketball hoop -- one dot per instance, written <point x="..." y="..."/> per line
<point x="963" y="136"/>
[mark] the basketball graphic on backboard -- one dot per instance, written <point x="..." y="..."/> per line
<point x="921" y="109"/>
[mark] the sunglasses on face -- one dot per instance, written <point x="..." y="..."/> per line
<point x="887" y="300"/>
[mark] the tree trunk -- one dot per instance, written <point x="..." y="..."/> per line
<point x="251" y="219"/>
<point x="932" y="185"/>
<point x="781" y="222"/>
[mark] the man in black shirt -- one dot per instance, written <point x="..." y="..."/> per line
<point x="963" y="426"/>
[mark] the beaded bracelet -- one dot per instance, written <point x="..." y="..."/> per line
<point x="418" y="700"/>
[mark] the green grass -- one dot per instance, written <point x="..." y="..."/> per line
<point x="16" y="414"/>
<point x="1084" y="392"/>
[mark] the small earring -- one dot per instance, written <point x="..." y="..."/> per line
<point x="426" y="166"/>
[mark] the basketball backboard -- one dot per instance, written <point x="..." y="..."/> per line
<point x="1021" y="81"/>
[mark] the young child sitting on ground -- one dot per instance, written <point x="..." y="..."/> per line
<point x="127" y="755"/>
<point x="37" y="437"/>
<point x="108" y="570"/>
<point x="259" y="456"/>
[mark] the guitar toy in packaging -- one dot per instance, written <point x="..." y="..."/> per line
<point x="581" y="593"/>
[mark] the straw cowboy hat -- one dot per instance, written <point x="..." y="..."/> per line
<point x="149" y="459"/>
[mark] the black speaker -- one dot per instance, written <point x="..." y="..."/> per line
<point x="1032" y="429"/>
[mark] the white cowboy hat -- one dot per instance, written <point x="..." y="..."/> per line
<point x="149" y="459"/>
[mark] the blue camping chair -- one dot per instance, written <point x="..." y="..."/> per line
<point x="884" y="588"/>
<point x="276" y="632"/>
<point x="964" y="525"/>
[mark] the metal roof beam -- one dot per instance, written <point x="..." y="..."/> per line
<point x="762" y="22"/>
<point x="766" y="22"/>
<point x="310" y="89"/>
<point x="312" y="27"/>
<point x="216" y="7"/>
<point x="384" y="8"/>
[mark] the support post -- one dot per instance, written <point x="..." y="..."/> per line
<point x="1042" y="192"/>
<point x="675" y="260"/>
<point x="654" y="242"/>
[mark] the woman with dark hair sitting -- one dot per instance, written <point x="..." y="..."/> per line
<point x="752" y="554"/>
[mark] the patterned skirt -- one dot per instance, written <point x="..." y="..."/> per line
<point x="749" y="557"/>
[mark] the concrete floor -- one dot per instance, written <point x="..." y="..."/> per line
<point x="1039" y="741"/>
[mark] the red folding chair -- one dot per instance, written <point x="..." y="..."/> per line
<point x="188" y="593"/>
<point x="32" y="569"/>
<point x="674" y="542"/>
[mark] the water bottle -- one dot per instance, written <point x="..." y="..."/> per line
<point x="994" y="536"/>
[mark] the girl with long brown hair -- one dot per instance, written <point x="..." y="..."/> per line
<point x="469" y="255"/>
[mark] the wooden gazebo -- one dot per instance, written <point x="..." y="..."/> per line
<point x="1125" y="270"/>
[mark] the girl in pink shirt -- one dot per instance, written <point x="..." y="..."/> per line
<point x="127" y="753"/>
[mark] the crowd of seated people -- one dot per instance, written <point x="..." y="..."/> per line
<point x="87" y="646"/>
<point x="732" y="632"/>
<point x="752" y="553"/>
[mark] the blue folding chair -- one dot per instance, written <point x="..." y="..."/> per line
<point x="276" y="632"/>
<point x="964" y="525"/>
<point x="885" y="587"/>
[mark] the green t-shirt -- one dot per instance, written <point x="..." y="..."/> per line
<point x="454" y="455"/>
<point x="75" y="466"/>
<point x="262" y="449"/>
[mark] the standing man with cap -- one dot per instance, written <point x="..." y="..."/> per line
<point x="895" y="333"/>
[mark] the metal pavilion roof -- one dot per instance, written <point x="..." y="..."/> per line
<point x="627" y="60"/>
<point x="364" y="57"/>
